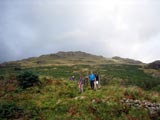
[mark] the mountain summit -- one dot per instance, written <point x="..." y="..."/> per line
<point x="69" y="58"/>
<point x="76" y="54"/>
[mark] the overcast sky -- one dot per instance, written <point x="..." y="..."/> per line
<point x="126" y="28"/>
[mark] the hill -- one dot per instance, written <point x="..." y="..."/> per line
<point x="127" y="92"/>
<point x="126" y="60"/>
<point x="70" y="58"/>
<point x="154" y="65"/>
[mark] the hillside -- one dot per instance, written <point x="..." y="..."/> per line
<point x="70" y="58"/>
<point x="126" y="60"/>
<point x="154" y="65"/>
<point x="127" y="92"/>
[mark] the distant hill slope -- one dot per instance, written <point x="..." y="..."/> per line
<point x="69" y="58"/>
<point x="154" y="65"/>
<point x="126" y="60"/>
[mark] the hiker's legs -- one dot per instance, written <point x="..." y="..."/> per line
<point x="92" y="84"/>
<point x="81" y="88"/>
<point x="97" y="84"/>
<point x="95" y="87"/>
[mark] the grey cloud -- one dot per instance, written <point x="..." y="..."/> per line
<point x="5" y="52"/>
<point x="128" y="28"/>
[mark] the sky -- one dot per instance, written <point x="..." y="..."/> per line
<point x="125" y="28"/>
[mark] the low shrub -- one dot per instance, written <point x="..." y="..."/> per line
<point x="10" y="110"/>
<point x="28" y="79"/>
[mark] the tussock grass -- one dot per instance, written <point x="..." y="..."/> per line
<point x="58" y="98"/>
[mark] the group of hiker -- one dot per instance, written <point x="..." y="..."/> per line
<point x="92" y="77"/>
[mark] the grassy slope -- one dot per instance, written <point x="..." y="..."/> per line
<point x="58" y="97"/>
<point x="60" y="100"/>
<point x="69" y="58"/>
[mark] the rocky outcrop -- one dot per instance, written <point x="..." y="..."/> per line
<point x="153" y="108"/>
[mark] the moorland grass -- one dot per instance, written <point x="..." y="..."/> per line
<point x="58" y="98"/>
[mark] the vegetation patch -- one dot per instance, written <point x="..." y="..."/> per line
<point x="27" y="79"/>
<point x="58" y="98"/>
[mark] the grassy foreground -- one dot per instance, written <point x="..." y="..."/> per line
<point x="58" y="98"/>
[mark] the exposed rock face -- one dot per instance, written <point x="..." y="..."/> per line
<point x="76" y="54"/>
<point x="154" y="65"/>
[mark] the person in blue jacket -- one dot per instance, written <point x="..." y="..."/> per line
<point x="92" y="79"/>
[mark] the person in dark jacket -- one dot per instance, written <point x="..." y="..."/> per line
<point x="72" y="78"/>
<point x="97" y="80"/>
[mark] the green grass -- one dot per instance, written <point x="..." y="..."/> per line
<point x="133" y="75"/>
<point x="58" y="98"/>
<point x="129" y="75"/>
